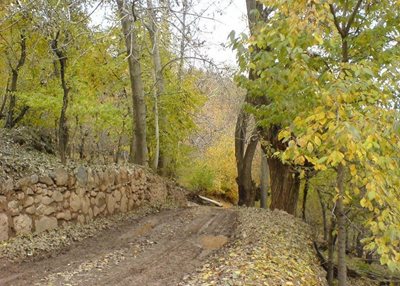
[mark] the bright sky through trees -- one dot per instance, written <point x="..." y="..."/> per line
<point x="220" y="18"/>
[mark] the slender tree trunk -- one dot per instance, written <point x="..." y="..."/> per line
<point x="305" y="193"/>
<point x="331" y="250"/>
<point x="359" y="247"/>
<point x="139" y="143"/>
<point x="11" y="120"/>
<point x="4" y="102"/>
<point x="342" y="270"/>
<point x="63" y="124"/>
<point x="185" y="8"/>
<point x="323" y="211"/>
<point x="264" y="180"/>
<point x="159" y="86"/>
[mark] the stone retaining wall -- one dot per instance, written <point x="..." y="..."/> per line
<point x="39" y="203"/>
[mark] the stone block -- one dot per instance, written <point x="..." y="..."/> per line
<point x="60" y="176"/>
<point x="3" y="227"/>
<point x="75" y="202"/>
<point x="45" y="223"/>
<point x="22" y="224"/>
<point x="57" y="196"/>
<point x="29" y="201"/>
<point x="46" y="180"/>
<point x="13" y="208"/>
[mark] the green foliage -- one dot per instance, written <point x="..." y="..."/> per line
<point x="97" y="74"/>
<point x="200" y="178"/>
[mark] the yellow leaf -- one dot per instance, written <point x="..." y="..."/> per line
<point x="310" y="147"/>
<point x="317" y="141"/>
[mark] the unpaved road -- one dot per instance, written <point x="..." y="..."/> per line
<point x="159" y="249"/>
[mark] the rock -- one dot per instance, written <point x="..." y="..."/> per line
<point x="22" y="224"/>
<point x="3" y="227"/>
<point x="38" y="199"/>
<point x="45" y="223"/>
<point x="8" y="186"/>
<point x="66" y="204"/>
<point x="81" y="191"/>
<point x="110" y="201"/>
<point x="46" y="180"/>
<point x="20" y="196"/>
<point x="71" y="181"/>
<point x="124" y="204"/>
<point x="45" y="210"/>
<point x="64" y="215"/>
<point x="81" y="219"/>
<point x="90" y="214"/>
<point x="46" y="200"/>
<point x="30" y="210"/>
<point x="67" y="194"/>
<point x="85" y="205"/>
<point x="75" y="202"/>
<point x="130" y="204"/>
<point x="29" y="201"/>
<point x="96" y="211"/>
<point x="3" y="200"/>
<point x="90" y="179"/>
<point x="100" y="199"/>
<point x="60" y="176"/>
<point x="93" y="193"/>
<point x="57" y="196"/>
<point x="117" y="195"/>
<point x="81" y="176"/>
<point x="13" y="208"/>
<point x="29" y="191"/>
<point x="111" y="175"/>
<point x="123" y="176"/>
<point x="26" y="181"/>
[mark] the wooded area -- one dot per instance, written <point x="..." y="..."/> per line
<point x="308" y="123"/>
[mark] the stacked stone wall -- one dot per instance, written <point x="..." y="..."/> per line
<point x="38" y="203"/>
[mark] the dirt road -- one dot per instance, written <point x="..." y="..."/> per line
<point x="159" y="249"/>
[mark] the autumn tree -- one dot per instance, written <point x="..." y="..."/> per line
<point x="129" y="22"/>
<point x="14" y="43"/>
<point x="330" y="74"/>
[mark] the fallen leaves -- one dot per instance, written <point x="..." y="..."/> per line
<point x="271" y="248"/>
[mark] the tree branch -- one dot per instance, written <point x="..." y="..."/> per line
<point x="352" y="17"/>
<point x="336" y="20"/>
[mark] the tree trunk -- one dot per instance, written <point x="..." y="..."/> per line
<point x="185" y="8"/>
<point x="323" y="210"/>
<point x="11" y="121"/>
<point x="264" y="180"/>
<point x="4" y="102"/>
<point x="331" y="250"/>
<point x="305" y="193"/>
<point x="139" y="142"/>
<point x="285" y="186"/>
<point x="159" y="86"/>
<point x="342" y="270"/>
<point x="244" y="159"/>
<point x="359" y="246"/>
<point x="63" y="124"/>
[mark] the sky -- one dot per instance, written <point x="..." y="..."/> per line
<point x="227" y="15"/>
<point x="232" y="16"/>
